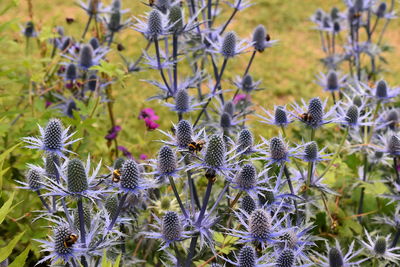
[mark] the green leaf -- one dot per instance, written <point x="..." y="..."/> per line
<point x="5" y="209"/>
<point x="6" y="251"/>
<point x="104" y="261"/>
<point x="117" y="261"/>
<point x="21" y="258"/>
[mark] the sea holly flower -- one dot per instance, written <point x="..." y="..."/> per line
<point x="87" y="57"/>
<point x="312" y="154"/>
<point x="166" y="164"/>
<point x="56" y="248"/>
<point x="249" y="181"/>
<point x="352" y="115"/>
<point x="245" y="143"/>
<point x="378" y="248"/>
<point x="75" y="180"/>
<point x="278" y="151"/>
<point x="388" y="119"/>
<point x="315" y="113"/>
<point x="247" y="84"/>
<point x="248" y="204"/>
<point x="381" y="11"/>
<point x="132" y="180"/>
<point x="390" y="143"/>
<point x="154" y="25"/>
<point x="247" y="257"/>
<point x="228" y="46"/>
<point x="169" y="229"/>
<point x="183" y="102"/>
<point x="332" y="81"/>
<point x="335" y="257"/>
<point x="262" y="40"/>
<point x="53" y="139"/>
<point x="34" y="178"/>
<point x="260" y="227"/>
<point x="381" y="91"/>
<point x="281" y="117"/>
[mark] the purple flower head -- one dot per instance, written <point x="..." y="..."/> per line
<point x="113" y="133"/>
<point x="150" y="124"/>
<point x="125" y="152"/>
<point x="240" y="97"/>
<point x="148" y="113"/>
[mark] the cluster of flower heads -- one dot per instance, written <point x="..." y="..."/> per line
<point x="264" y="196"/>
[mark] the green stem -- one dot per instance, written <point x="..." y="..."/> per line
<point x="336" y="153"/>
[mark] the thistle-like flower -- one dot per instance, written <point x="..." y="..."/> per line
<point x="247" y="258"/>
<point x="247" y="84"/>
<point x="259" y="227"/>
<point x="353" y="116"/>
<point x="170" y="229"/>
<point x="390" y="143"/>
<point x="228" y="46"/>
<point x="53" y="139"/>
<point x="56" y="248"/>
<point x="332" y="81"/>
<point x="378" y="248"/>
<point x="245" y="142"/>
<point x="249" y="181"/>
<point x="278" y="151"/>
<point x="315" y="116"/>
<point x="183" y="102"/>
<point x="312" y="154"/>
<point x="335" y="257"/>
<point x="280" y="118"/>
<point x="34" y="178"/>
<point x="248" y="204"/>
<point x="131" y="178"/>
<point x="184" y="133"/>
<point x="262" y="40"/>
<point x="156" y="24"/>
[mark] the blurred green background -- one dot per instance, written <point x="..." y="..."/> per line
<point x="287" y="70"/>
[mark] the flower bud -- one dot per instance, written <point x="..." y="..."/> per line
<point x="228" y="48"/>
<point x="34" y="179"/>
<point x="86" y="56"/>
<point x="335" y="258"/>
<point x="286" y="258"/>
<point x="86" y="217"/>
<point x="154" y="23"/>
<point x="277" y="148"/>
<point x="247" y="83"/>
<point x="175" y="18"/>
<point x="260" y="224"/>
<point x="381" y="89"/>
<point x="229" y="108"/>
<point x="247" y="256"/>
<point x="280" y="116"/>
<point x="311" y="152"/>
<point x="259" y="37"/>
<point x="51" y="163"/>
<point x="94" y="42"/>
<point x="248" y="204"/>
<point x="184" y="133"/>
<point x="71" y="72"/>
<point x="171" y="226"/>
<point x="245" y="140"/>
<point x="380" y="246"/>
<point x="53" y="135"/>
<point x="225" y="121"/>
<point x="215" y="153"/>
<point x="130" y="174"/>
<point x="247" y="177"/>
<point x="352" y="115"/>
<point x="166" y="161"/>
<point x="111" y="205"/>
<point x="332" y="81"/>
<point x="315" y="110"/>
<point x="182" y="101"/>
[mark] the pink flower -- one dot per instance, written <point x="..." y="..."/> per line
<point x="150" y="124"/>
<point x="143" y="156"/>
<point x="148" y="113"/>
<point x="113" y="133"/>
<point x="239" y="97"/>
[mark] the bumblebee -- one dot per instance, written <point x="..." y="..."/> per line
<point x="267" y="38"/>
<point x="116" y="176"/>
<point x="306" y="117"/>
<point x="196" y="146"/>
<point x="152" y="2"/>
<point x="70" y="240"/>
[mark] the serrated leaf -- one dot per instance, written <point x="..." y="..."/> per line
<point x="21" y="258"/>
<point x="6" y="251"/>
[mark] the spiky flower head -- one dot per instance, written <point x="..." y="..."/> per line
<point x="229" y="108"/>
<point x="52" y="161"/>
<point x="311" y="151"/>
<point x="315" y="110"/>
<point x="94" y="42"/>
<point x="247" y="83"/>
<point x="184" y="132"/>
<point x="380" y="246"/>
<point x="281" y="116"/>
<point x="163" y="5"/>
<point x="259" y="37"/>
<point x="393" y="118"/>
<point x="154" y="23"/>
<point x="215" y="153"/>
<point x="228" y="48"/>
<point x="381" y="89"/>
<point x="393" y="145"/>
<point x="34" y="179"/>
<point x="277" y="149"/>
<point x="71" y="73"/>
<point x="29" y="30"/>
<point x="114" y="24"/>
<point x="182" y="100"/>
<point x="85" y="56"/>
<point x="86" y="217"/>
<point x="175" y="18"/>
<point x="53" y="135"/>
<point x="225" y="121"/>
<point x="381" y="10"/>
<point x="130" y="175"/>
<point x="260" y="224"/>
<point x="288" y="239"/>
<point x="286" y="258"/>
<point x="247" y="257"/>
<point x="166" y="161"/>
<point x="332" y="81"/>
<point x="76" y="176"/>
<point x="248" y="204"/>
<point x="171" y="226"/>
<point x="352" y="115"/>
<point x="267" y="198"/>
<point x="60" y="234"/>
<point x="111" y="205"/>
<point x="335" y="13"/>
<point x="247" y="177"/>
<point x="245" y="140"/>
<point x="335" y="258"/>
